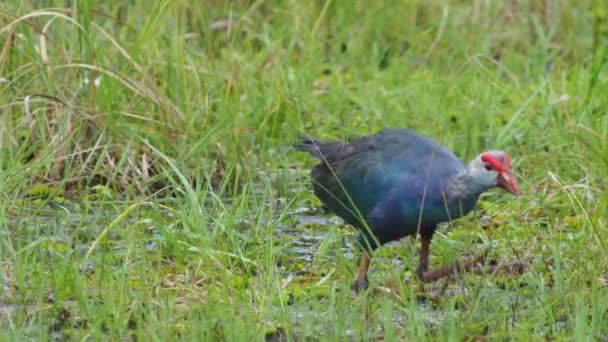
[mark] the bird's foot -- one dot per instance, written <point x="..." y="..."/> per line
<point x="359" y="285"/>
<point x="449" y="270"/>
<point x="511" y="268"/>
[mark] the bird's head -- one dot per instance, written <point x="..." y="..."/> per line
<point x="493" y="168"/>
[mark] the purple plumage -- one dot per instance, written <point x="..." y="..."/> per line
<point x="396" y="183"/>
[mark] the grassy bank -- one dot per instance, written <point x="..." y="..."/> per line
<point x="148" y="188"/>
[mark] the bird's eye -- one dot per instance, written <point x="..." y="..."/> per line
<point x="488" y="167"/>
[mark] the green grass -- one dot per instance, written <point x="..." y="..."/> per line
<point x="148" y="188"/>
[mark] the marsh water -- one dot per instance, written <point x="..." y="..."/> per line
<point x="66" y="230"/>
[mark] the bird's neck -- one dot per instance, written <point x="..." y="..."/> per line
<point x="462" y="186"/>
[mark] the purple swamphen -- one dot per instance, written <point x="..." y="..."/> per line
<point x="397" y="183"/>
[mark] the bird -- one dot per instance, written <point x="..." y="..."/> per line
<point x="396" y="183"/>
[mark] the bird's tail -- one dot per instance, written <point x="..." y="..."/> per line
<point x="310" y="145"/>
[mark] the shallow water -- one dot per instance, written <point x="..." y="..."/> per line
<point x="73" y="229"/>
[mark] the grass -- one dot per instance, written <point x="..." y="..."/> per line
<point x="148" y="188"/>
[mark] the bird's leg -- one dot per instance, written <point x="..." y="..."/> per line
<point x="427" y="276"/>
<point x="423" y="264"/>
<point x="360" y="282"/>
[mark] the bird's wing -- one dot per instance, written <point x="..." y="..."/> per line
<point x="363" y="171"/>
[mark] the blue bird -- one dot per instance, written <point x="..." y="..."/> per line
<point x="396" y="183"/>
